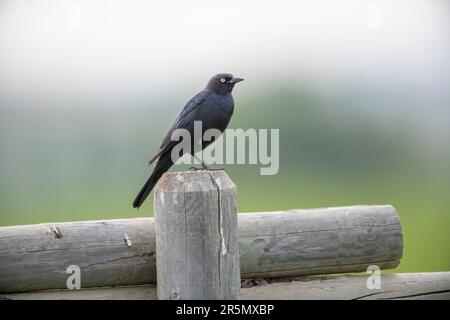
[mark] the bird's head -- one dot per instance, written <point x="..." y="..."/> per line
<point x="222" y="83"/>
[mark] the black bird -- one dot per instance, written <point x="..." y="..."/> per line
<point x="213" y="106"/>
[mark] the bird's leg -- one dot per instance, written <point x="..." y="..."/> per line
<point x="208" y="168"/>
<point x="204" y="166"/>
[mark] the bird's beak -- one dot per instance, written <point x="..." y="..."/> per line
<point x="235" y="80"/>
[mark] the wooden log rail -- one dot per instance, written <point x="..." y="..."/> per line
<point x="271" y="244"/>
<point x="196" y="210"/>
<point x="401" y="286"/>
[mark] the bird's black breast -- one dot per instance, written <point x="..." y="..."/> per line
<point x="215" y="112"/>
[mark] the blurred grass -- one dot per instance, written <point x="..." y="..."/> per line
<point x="70" y="164"/>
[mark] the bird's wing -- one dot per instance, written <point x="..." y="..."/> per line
<point x="180" y="122"/>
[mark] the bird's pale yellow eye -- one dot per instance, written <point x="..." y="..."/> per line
<point x="222" y="80"/>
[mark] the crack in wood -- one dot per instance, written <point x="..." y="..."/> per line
<point x="419" y="294"/>
<point x="118" y="259"/>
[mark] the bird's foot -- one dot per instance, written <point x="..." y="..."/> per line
<point x="214" y="169"/>
<point x="205" y="167"/>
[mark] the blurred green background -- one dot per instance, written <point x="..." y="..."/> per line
<point x="363" y="119"/>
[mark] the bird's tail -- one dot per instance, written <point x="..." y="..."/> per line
<point x="164" y="163"/>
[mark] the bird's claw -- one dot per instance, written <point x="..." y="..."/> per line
<point x="215" y="169"/>
<point x="206" y="168"/>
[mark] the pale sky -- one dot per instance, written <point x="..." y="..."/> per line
<point x="53" y="49"/>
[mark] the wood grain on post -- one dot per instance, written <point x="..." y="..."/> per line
<point x="197" y="253"/>
<point x="271" y="244"/>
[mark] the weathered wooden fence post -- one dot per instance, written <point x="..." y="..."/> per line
<point x="197" y="252"/>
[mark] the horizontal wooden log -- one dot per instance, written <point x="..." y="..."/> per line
<point x="319" y="241"/>
<point x="133" y="292"/>
<point x="273" y="244"/>
<point x="406" y="286"/>
<point x="114" y="252"/>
